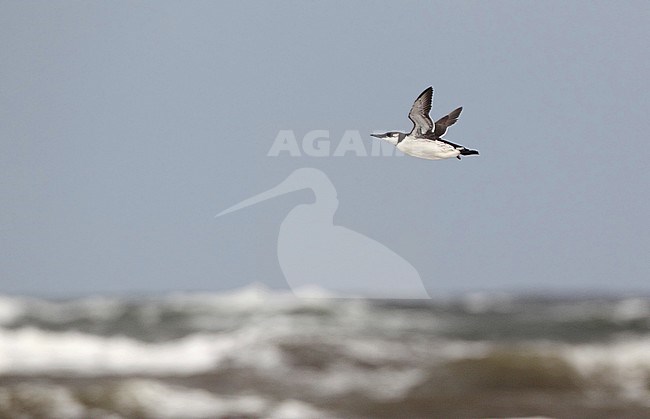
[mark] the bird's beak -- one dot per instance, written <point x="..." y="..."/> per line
<point x="377" y="135"/>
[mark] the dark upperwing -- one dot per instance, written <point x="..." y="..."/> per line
<point x="446" y="121"/>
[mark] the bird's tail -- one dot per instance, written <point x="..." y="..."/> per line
<point x="467" y="152"/>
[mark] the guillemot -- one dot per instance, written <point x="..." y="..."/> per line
<point x="425" y="139"/>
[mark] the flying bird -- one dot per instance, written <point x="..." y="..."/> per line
<point x="425" y="139"/>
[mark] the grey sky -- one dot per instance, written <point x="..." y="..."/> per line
<point x="126" y="126"/>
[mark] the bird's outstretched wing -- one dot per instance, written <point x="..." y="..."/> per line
<point x="446" y="121"/>
<point x="420" y="112"/>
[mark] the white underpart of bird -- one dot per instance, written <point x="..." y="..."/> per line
<point x="312" y="251"/>
<point x="427" y="149"/>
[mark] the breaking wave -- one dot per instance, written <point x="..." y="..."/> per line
<point x="141" y="398"/>
<point x="258" y="353"/>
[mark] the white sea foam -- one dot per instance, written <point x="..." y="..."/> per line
<point x="167" y="401"/>
<point x="481" y="302"/>
<point x="144" y="398"/>
<point x="251" y="340"/>
<point x="11" y="308"/>
<point x="625" y="362"/>
<point x="254" y="297"/>
<point x="632" y="309"/>
<point x="59" y="312"/>
<point x="30" y="351"/>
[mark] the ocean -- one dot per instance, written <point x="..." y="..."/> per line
<point x="257" y="353"/>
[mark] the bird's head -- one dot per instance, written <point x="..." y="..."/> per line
<point x="392" y="137"/>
